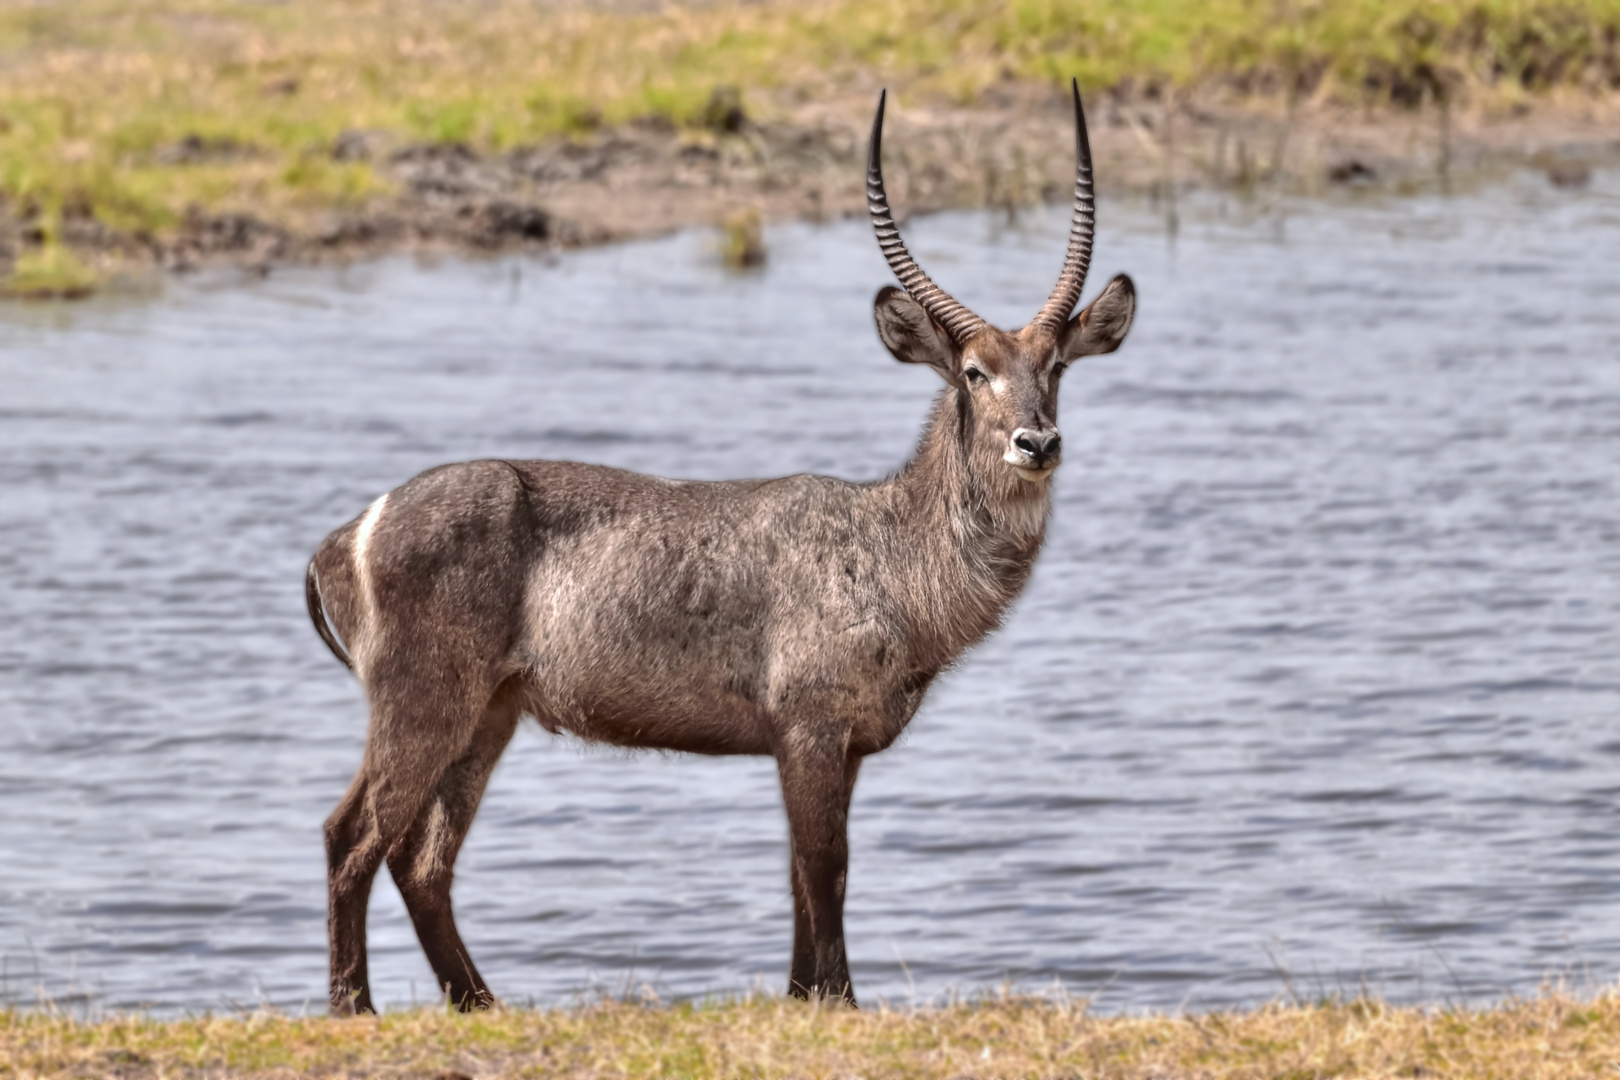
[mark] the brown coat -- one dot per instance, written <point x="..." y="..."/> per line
<point x="802" y="617"/>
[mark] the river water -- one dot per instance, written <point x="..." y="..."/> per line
<point x="1313" y="691"/>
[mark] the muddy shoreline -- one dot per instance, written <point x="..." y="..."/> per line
<point x="806" y="163"/>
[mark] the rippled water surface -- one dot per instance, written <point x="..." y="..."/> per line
<point x="1314" y="686"/>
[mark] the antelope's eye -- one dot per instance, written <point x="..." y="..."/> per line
<point x="976" y="377"/>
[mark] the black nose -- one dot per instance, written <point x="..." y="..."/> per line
<point x="1039" y="445"/>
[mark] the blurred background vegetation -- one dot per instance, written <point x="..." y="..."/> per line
<point x="129" y="112"/>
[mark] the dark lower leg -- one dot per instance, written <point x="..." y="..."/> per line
<point x="421" y="867"/>
<point x="435" y="925"/>
<point x="817" y="793"/>
<point x="353" y="853"/>
<point x="801" y="976"/>
<point x="423" y="864"/>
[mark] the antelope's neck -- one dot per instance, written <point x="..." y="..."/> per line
<point x="973" y="529"/>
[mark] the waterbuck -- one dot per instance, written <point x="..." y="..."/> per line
<point x="803" y="617"/>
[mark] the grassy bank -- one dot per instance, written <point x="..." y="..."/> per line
<point x="1550" y="1036"/>
<point x="126" y="116"/>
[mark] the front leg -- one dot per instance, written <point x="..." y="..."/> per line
<point x="817" y="782"/>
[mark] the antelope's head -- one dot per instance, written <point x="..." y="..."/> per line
<point x="1006" y="382"/>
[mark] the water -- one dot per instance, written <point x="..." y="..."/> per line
<point x="1313" y="690"/>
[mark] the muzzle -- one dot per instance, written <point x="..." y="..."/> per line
<point x="1034" y="451"/>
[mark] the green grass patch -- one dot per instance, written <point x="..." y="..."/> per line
<point x="97" y="95"/>
<point x="49" y="271"/>
<point x="1548" y="1037"/>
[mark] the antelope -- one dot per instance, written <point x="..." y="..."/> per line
<point x="803" y="617"/>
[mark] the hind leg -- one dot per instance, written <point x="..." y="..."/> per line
<point x="414" y="738"/>
<point x="353" y="853"/>
<point x="422" y="863"/>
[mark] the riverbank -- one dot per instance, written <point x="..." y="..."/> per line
<point x="167" y="134"/>
<point x="1547" y="1037"/>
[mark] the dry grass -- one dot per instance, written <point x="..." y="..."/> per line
<point x="1550" y="1036"/>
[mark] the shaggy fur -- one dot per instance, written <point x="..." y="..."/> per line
<point x="803" y="618"/>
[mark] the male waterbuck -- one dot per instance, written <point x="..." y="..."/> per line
<point x="803" y="617"/>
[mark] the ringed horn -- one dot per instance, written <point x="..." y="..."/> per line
<point x="956" y="320"/>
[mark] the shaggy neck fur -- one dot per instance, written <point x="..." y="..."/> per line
<point x="971" y="527"/>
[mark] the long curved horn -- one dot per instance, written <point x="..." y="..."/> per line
<point x="960" y="323"/>
<point x="1082" y="225"/>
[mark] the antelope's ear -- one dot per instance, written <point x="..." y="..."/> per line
<point x="908" y="332"/>
<point x="1103" y="324"/>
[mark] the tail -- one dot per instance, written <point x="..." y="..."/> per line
<point x="317" y="615"/>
